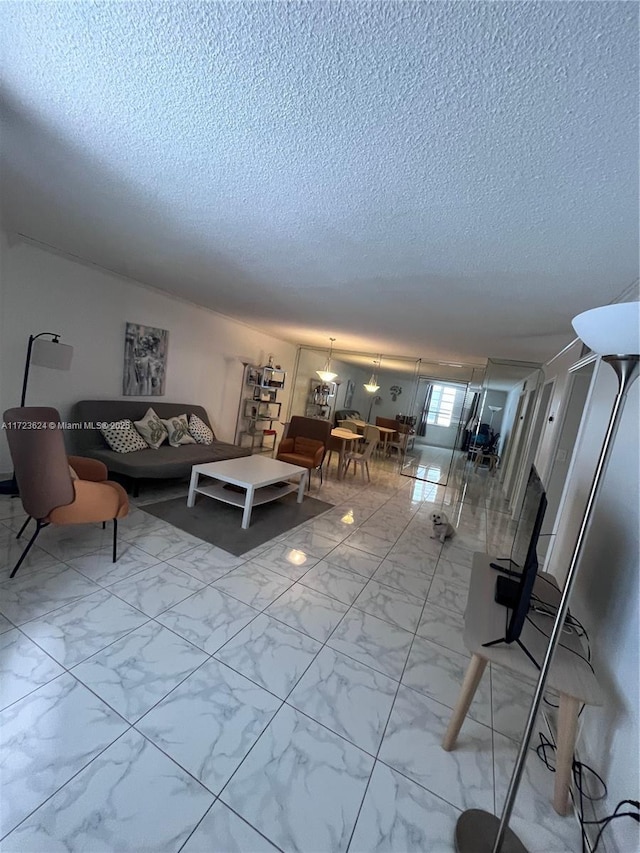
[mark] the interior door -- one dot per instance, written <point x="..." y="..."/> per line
<point x="441" y="412"/>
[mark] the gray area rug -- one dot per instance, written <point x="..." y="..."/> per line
<point x="219" y="523"/>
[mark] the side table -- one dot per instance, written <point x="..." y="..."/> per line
<point x="571" y="676"/>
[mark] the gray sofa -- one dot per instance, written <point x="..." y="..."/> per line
<point x="345" y="415"/>
<point x="164" y="463"/>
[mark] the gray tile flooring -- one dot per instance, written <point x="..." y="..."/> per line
<point x="294" y="698"/>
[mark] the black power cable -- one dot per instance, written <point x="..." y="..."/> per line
<point x="607" y="820"/>
<point x="578" y="770"/>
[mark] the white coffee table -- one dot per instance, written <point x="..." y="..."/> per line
<point x="256" y="474"/>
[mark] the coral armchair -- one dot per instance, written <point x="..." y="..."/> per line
<point x="48" y="492"/>
<point x="305" y="444"/>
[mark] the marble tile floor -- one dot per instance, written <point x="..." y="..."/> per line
<point x="290" y="699"/>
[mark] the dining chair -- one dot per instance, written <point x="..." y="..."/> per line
<point x="372" y="433"/>
<point x="389" y="438"/>
<point x="363" y="458"/>
<point x="400" y="440"/>
<point x="334" y="446"/>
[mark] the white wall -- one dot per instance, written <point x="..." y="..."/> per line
<point x="606" y="597"/>
<point x="309" y="362"/>
<point x="312" y="360"/>
<point x="508" y="427"/>
<point x="558" y="371"/>
<point x="89" y="307"/>
<point x="386" y="407"/>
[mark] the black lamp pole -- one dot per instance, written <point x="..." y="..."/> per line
<point x="55" y="338"/>
<point x="10" y="486"/>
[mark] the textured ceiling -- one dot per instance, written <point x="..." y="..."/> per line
<point x="446" y="180"/>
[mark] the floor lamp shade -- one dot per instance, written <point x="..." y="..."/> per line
<point x="611" y="329"/>
<point x="51" y="354"/>
<point x="45" y="353"/>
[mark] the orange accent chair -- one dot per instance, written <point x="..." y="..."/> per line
<point x="305" y="444"/>
<point x="48" y="492"/>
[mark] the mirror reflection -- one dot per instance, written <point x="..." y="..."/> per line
<point x="389" y="394"/>
<point x="422" y="410"/>
<point x="443" y="407"/>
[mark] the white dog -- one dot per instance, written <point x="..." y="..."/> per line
<point x="442" y="529"/>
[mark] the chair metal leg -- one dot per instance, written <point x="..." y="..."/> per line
<point x="22" y="529"/>
<point x="115" y="536"/>
<point x="39" y="527"/>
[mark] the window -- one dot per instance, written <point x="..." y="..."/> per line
<point x="441" y="405"/>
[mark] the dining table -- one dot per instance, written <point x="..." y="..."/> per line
<point x="385" y="435"/>
<point x="385" y="432"/>
<point x="346" y="437"/>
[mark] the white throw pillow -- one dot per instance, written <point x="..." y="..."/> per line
<point x="178" y="429"/>
<point x="152" y="430"/>
<point x="122" y="437"/>
<point x="200" y="431"/>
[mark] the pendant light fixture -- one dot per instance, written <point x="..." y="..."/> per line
<point x="372" y="385"/>
<point x="326" y="374"/>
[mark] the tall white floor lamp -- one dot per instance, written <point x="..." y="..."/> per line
<point x="493" y="410"/>
<point x="610" y="329"/>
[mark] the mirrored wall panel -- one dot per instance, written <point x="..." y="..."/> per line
<point x="366" y="386"/>
<point x="446" y="396"/>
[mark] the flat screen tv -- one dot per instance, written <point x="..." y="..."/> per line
<point x="515" y="592"/>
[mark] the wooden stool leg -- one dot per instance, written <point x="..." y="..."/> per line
<point x="472" y="678"/>
<point x="567" y="727"/>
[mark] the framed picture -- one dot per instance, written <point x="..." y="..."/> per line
<point x="145" y="361"/>
<point x="348" y="394"/>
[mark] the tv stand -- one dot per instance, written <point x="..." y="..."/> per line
<point x="522" y="646"/>
<point x="570" y="675"/>
<point x="507" y="594"/>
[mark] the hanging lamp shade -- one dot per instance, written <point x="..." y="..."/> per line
<point x="372" y="385"/>
<point x="326" y="374"/>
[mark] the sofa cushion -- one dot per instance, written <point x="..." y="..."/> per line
<point x="178" y="430"/>
<point x="346" y="415"/>
<point x="200" y="431"/>
<point x="152" y="429"/>
<point x="123" y="437"/>
<point x="164" y="463"/>
<point x="167" y="461"/>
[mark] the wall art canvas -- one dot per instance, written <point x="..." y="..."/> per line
<point x="145" y="361"/>
<point x="348" y="394"/>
